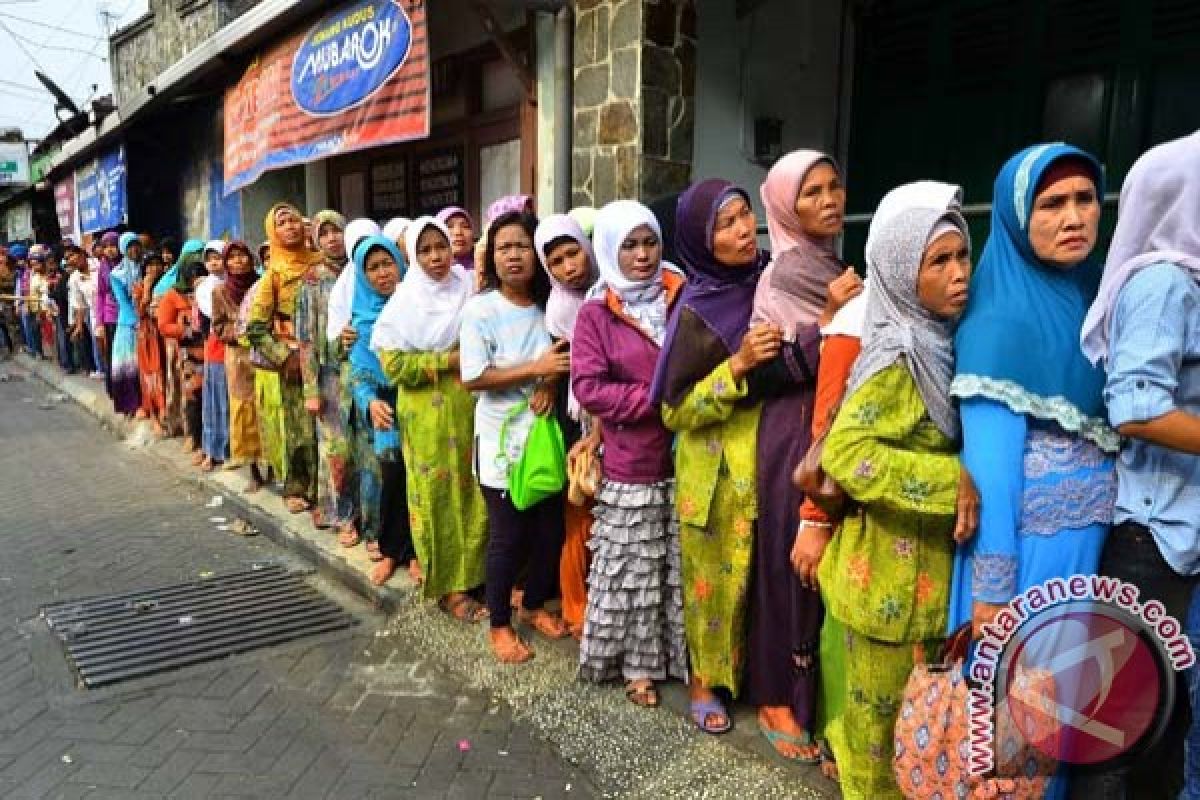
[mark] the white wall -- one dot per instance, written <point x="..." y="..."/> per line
<point x="779" y="61"/>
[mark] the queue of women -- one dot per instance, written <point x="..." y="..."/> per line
<point x="992" y="421"/>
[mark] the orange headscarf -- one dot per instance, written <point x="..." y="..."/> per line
<point x="280" y="286"/>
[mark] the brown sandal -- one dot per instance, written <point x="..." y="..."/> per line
<point x="373" y="551"/>
<point x="348" y="536"/>
<point x="296" y="505"/>
<point x="644" y="695"/>
<point x="382" y="572"/>
<point x="463" y="608"/>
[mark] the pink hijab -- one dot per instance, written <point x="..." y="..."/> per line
<point x="564" y="303"/>
<point x="510" y="202"/>
<point x="793" y="289"/>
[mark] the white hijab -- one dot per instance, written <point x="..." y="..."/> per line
<point x="645" y="301"/>
<point x="423" y="315"/>
<point x="341" y="297"/>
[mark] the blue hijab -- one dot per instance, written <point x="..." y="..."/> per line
<point x="1018" y="341"/>
<point x="368" y="304"/>
<point x="171" y="276"/>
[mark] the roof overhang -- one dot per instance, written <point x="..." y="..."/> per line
<point x="216" y="55"/>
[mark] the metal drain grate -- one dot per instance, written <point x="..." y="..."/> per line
<point x="119" y="637"/>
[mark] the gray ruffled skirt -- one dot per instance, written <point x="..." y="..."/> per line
<point x="633" y="628"/>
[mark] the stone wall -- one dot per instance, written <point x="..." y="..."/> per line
<point x="634" y="99"/>
<point x="169" y="30"/>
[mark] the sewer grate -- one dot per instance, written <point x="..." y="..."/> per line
<point x="119" y="637"/>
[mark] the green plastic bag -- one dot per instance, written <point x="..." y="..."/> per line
<point x="541" y="471"/>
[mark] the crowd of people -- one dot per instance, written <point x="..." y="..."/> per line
<point x="977" y="428"/>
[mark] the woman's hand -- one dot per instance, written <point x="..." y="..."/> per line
<point x="381" y="415"/>
<point x="542" y="400"/>
<point x="349" y="337"/>
<point x="982" y="614"/>
<point x="760" y="344"/>
<point x="842" y="290"/>
<point x="554" y="362"/>
<point x="589" y="444"/>
<point x="967" y="520"/>
<point x="807" y="551"/>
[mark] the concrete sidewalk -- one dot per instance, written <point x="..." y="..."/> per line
<point x="627" y="751"/>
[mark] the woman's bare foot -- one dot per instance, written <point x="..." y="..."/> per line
<point x="508" y="647"/>
<point x="157" y="427"/>
<point x="206" y="465"/>
<point x="373" y="552"/>
<point x="415" y="574"/>
<point x="549" y="625"/>
<point x="382" y="572"/>
<point x="780" y="719"/>
<point x="295" y="505"/>
<point x="198" y="458"/>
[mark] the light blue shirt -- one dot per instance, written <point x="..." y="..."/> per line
<point x="1154" y="368"/>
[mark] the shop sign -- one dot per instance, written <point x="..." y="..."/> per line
<point x="14" y="164"/>
<point x="357" y="79"/>
<point x="64" y="204"/>
<point x="100" y="192"/>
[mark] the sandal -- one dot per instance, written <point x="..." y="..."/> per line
<point x="383" y="571"/>
<point x="318" y="520"/>
<point x="348" y="536"/>
<point x="644" y="695"/>
<point x="296" y="505"/>
<point x="702" y="710"/>
<point x="829" y="767"/>
<point x="415" y="574"/>
<point x="509" y="650"/>
<point x="464" y="608"/>
<point x="373" y="551"/>
<point x="805" y="740"/>
<point x="547" y="624"/>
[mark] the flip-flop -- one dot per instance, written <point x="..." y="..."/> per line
<point x="796" y="741"/>
<point x="465" y="609"/>
<point x="702" y="709"/>
<point x="643" y="696"/>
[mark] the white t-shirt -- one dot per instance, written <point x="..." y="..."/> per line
<point x="496" y="333"/>
<point x="82" y="293"/>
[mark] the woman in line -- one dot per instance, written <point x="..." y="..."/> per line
<point x="804" y="286"/>
<point x="382" y="476"/>
<point x="565" y="252"/>
<point x="178" y="323"/>
<point x="173" y="416"/>
<point x="417" y="342"/>
<point x="215" y="399"/>
<point x="634" y="618"/>
<point x="341" y="297"/>
<point x="462" y="235"/>
<point x="326" y="394"/>
<point x="271" y="330"/>
<point x="1035" y="436"/>
<point x="893" y="448"/>
<point x="701" y="381"/>
<point x="149" y="345"/>
<point x="509" y="360"/>
<point x="840" y="345"/>
<point x="106" y="303"/>
<point x="126" y="393"/>
<point x="230" y="306"/>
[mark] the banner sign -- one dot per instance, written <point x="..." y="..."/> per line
<point x="100" y="192"/>
<point x="64" y="205"/>
<point x="359" y="78"/>
<point x="14" y="164"/>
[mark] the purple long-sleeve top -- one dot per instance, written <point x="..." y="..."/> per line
<point x="612" y="366"/>
<point x="106" y="302"/>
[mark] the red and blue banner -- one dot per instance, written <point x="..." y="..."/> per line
<point x="358" y="78"/>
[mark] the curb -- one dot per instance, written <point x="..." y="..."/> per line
<point x="303" y="539"/>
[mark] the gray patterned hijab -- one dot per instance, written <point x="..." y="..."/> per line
<point x="897" y="325"/>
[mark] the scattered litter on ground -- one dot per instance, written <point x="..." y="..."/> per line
<point x="464" y="745"/>
<point x="206" y="574"/>
<point x="217" y="519"/>
<point x="57" y="397"/>
<point x="216" y="502"/>
<point x="241" y="527"/>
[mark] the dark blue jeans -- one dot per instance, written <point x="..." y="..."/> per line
<point x="1132" y="555"/>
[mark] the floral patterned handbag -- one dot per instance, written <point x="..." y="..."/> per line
<point x="932" y="735"/>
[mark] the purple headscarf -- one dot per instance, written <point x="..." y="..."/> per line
<point x="719" y="296"/>
<point x="510" y="202"/>
<point x="444" y="216"/>
<point x="106" y="302"/>
<point x="1156" y="222"/>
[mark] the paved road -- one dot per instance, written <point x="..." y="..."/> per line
<point x="351" y="715"/>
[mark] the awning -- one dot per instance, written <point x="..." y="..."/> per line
<point x="258" y="26"/>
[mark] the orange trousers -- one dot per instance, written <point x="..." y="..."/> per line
<point x="573" y="565"/>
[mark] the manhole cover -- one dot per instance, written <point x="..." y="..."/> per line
<point x="118" y="637"/>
